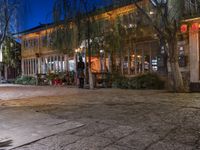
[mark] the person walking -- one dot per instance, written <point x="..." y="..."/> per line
<point x="80" y="71"/>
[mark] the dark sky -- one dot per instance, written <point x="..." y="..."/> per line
<point x="34" y="12"/>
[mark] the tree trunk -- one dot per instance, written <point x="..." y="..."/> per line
<point x="91" y="82"/>
<point x="6" y="72"/>
<point x="129" y="62"/>
<point x="177" y="80"/>
<point x="178" y="85"/>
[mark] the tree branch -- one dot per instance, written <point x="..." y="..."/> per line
<point x="149" y="18"/>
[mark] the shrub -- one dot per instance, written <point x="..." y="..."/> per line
<point x="25" y="80"/>
<point x="144" y="81"/>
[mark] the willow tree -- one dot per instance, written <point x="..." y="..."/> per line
<point x="78" y="12"/>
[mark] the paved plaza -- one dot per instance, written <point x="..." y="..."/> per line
<point x="61" y="118"/>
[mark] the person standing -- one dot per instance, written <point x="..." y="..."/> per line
<point x="80" y="71"/>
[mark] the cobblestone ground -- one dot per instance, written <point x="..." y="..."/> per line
<point x="113" y="119"/>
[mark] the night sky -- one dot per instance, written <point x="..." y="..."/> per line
<point x="34" y="12"/>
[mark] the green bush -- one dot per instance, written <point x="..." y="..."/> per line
<point x="144" y="81"/>
<point x="25" y="80"/>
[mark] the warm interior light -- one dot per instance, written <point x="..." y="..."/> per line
<point x="151" y="12"/>
<point x="101" y="51"/>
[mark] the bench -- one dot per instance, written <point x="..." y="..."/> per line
<point x="102" y="79"/>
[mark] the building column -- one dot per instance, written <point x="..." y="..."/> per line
<point x="194" y="55"/>
<point x="143" y="61"/>
<point x="39" y="65"/>
<point x="66" y="63"/>
<point x="54" y="64"/>
<point x="22" y="66"/>
<point x="25" y="67"/>
<point x="36" y="66"/>
<point x="31" y="66"/>
<point x="109" y="63"/>
<point x="50" y="63"/>
<point x="57" y="63"/>
<point x="75" y="62"/>
<point x="129" y="61"/>
<point x="28" y="66"/>
<point x="45" y="65"/>
<point x="61" y="63"/>
<point x="136" y="63"/>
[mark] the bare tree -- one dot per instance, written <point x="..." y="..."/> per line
<point x="8" y="20"/>
<point x="7" y="17"/>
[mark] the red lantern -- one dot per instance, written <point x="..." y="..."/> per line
<point x="184" y="28"/>
<point x="195" y="27"/>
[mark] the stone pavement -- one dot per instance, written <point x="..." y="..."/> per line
<point x="109" y="119"/>
<point x="26" y="126"/>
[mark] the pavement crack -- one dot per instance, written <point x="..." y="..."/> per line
<point x="115" y="142"/>
<point x="44" y="138"/>
<point x="161" y="138"/>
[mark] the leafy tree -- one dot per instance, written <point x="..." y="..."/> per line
<point x="10" y="52"/>
<point x="166" y="22"/>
